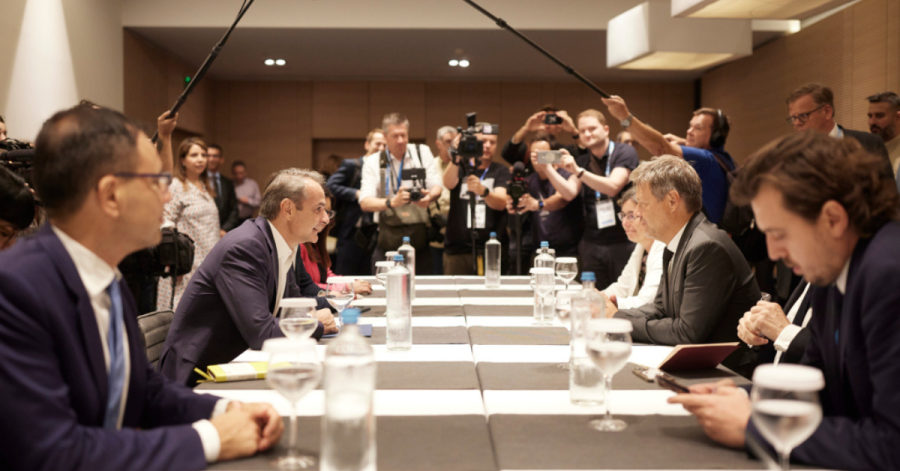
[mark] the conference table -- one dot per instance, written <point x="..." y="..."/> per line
<point x="484" y="389"/>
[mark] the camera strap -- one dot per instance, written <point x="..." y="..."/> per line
<point x="390" y="176"/>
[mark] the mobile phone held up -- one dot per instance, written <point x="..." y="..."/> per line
<point x="553" y="157"/>
<point x="552" y="118"/>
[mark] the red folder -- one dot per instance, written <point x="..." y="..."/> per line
<point x="697" y="357"/>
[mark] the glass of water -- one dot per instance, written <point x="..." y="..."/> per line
<point x="567" y="269"/>
<point x="339" y="293"/>
<point x="609" y="346"/>
<point x="381" y="269"/>
<point x="786" y="407"/>
<point x="390" y="256"/>
<point x="294" y="370"/>
<point x="544" y="284"/>
<point x="298" y="317"/>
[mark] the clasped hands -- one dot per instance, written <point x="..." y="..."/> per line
<point x="762" y="323"/>
<point x="245" y="429"/>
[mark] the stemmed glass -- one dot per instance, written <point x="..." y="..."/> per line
<point x="339" y="294"/>
<point x="294" y="370"/>
<point x="298" y="317"/>
<point x="544" y="283"/>
<point x="609" y="346"/>
<point x="381" y="269"/>
<point x="567" y="269"/>
<point x="786" y="407"/>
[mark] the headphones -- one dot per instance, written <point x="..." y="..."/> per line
<point x="717" y="138"/>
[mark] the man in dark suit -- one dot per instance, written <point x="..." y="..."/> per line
<point x="707" y="285"/>
<point x="778" y="337"/>
<point x="77" y="391"/>
<point x="226" y="200"/>
<point x="820" y="204"/>
<point x="232" y="301"/>
<point x="344" y="184"/>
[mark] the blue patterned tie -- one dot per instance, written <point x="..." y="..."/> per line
<point x="116" y="357"/>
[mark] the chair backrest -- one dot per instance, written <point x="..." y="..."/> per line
<point x="154" y="329"/>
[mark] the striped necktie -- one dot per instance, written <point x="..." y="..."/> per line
<point x="116" y="358"/>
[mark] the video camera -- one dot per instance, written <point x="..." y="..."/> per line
<point x="518" y="184"/>
<point x="17" y="156"/>
<point x="469" y="146"/>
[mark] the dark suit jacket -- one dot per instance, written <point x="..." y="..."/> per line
<point x="227" y="204"/>
<point x="855" y="341"/>
<point x="227" y="306"/>
<point x="711" y="289"/>
<point x="53" y="379"/>
<point x="873" y="144"/>
<point x="795" y="350"/>
<point x="344" y="184"/>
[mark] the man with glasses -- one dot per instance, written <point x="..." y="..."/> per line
<point x="78" y="391"/>
<point x="232" y="301"/>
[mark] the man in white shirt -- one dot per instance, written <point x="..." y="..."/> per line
<point x="247" y="191"/>
<point x="884" y="121"/>
<point x="77" y="390"/>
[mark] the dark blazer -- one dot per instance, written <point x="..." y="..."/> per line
<point x="53" y="379"/>
<point x="227" y="306"/>
<point x="344" y="184"/>
<point x="873" y="144"/>
<point x="227" y="204"/>
<point x="711" y="289"/>
<point x="794" y="353"/>
<point x="855" y="341"/>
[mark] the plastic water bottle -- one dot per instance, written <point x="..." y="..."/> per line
<point x="586" y="385"/>
<point x="348" y="426"/>
<point x="409" y="255"/>
<point x="544" y="259"/>
<point x="492" y="250"/>
<point x="399" y="310"/>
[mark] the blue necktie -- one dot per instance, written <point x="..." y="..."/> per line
<point x="116" y="357"/>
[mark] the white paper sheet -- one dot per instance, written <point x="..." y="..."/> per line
<point x="509" y="321"/>
<point x="649" y="402"/>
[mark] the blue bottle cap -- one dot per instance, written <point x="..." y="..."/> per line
<point x="588" y="276"/>
<point x="544" y="243"/>
<point x="398" y="258"/>
<point x="493" y="234"/>
<point x="350" y="315"/>
<point x="405" y="239"/>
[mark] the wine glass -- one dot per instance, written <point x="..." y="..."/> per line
<point x="544" y="283"/>
<point x="786" y="407"/>
<point x="339" y="294"/>
<point x="381" y="269"/>
<point x="609" y="346"/>
<point x="298" y="317"/>
<point x="294" y="370"/>
<point x="567" y="269"/>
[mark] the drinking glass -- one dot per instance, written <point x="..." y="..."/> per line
<point x="544" y="283"/>
<point x="294" y="370"/>
<point x="567" y="269"/>
<point x="298" y="317"/>
<point x="339" y="294"/>
<point x="390" y="255"/>
<point x="786" y="407"/>
<point x="609" y="346"/>
<point x="381" y="269"/>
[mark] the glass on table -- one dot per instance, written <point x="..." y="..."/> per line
<point x="389" y="256"/>
<point x="544" y="285"/>
<point x="298" y="317"/>
<point x="381" y="269"/>
<point x="567" y="269"/>
<point x="609" y="346"/>
<point x="293" y="371"/>
<point x="785" y="405"/>
<point x="339" y="294"/>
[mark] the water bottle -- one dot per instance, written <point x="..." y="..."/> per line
<point x="492" y="251"/>
<point x="409" y="255"/>
<point x="348" y="426"/>
<point x="399" y="311"/>
<point x="544" y="258"/>
<point x="586" y="385"/>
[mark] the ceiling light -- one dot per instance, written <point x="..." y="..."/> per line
<point x="270" y="62"/>
<point x="463" y="63"/>
<point x="763" y="9"/>
<point x="280" y="62"/>
<point x="648" y="38"/>
<point x="454" y="62"/>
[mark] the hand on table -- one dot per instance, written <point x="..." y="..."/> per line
<point x="723" y="414"/>
<point x="362" y="287"/>
<point x="327" y="319"/>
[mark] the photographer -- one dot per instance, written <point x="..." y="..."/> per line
<point x="487" y="180"/>
<point x="17" y="208"/>
<point x="548" y="120"/>
<point x="401" y="205"/>
<point x="2" y="129"/>
<point x="551" y="216"/>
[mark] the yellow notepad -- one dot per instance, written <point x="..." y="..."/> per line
<point x="235" y="371"/>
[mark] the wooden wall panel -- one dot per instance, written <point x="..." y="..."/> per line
<point x="340" y="109"/>
<point x="402" y="97"/>
<point x="442" y="108"/>
<point x="856" y="52"/>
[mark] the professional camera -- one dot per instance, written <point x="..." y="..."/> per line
<point x="417" y="176"/>
<point x="518" y="183"/>
<point x="552" y="118"/>
<point x="17" y="156"/>
<point x="469" y="146"/>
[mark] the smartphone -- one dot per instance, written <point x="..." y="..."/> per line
<point x="549" y="157"/>
<point x="667" y="381"/>
<point x="551" y="118"/>
<point x="645" y="373"/>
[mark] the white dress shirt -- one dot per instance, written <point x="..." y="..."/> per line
<point x="97" y="275"/>
<point x="788" y="333"/>
<point x="371" y="172"/>
<point x="673" y="244"/>
<point x="628" y="294"/>
<point x="286" y="257"/>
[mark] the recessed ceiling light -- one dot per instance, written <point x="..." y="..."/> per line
<point x="280" y="62"/>
<point x="270" y="62"/>
<point x="454" y="62"/>
<point x="463" y="63"/>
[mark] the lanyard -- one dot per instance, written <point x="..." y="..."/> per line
<point x="485" y="173"/>
<point x="387" y="176"/>
<point x="612" y="147"/>
<point x="840" y="133"/>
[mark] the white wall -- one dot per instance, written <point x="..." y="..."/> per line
<point x="54" y="53"/>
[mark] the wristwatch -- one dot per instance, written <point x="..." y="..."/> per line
<point x="540" y="205"/>
<point x="487" y="191"/>
<point x="387" y="202"/>
<point x="627" y="121"/>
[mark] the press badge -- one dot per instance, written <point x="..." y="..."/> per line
<point x="606" y="214"/>
<point x="480" y="215"/>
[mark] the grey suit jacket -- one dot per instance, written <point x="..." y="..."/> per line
<point x="711" y="287"/>
<point x="227" y="306"/>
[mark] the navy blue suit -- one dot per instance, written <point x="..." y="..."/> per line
<point x="53" y="379"/>
<point x="344" y="183"/>
<point x="227" y="306"/>
<point x="855" y="341"/>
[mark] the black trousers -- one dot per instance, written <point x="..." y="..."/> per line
<point x="606" y="260"/>
<point x="352" y="260"/>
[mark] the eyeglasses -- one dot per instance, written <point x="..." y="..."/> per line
<point x="629" y="216"/>
<point x="802" y="118"/>
<point x="330" y="213"/>
<point x="163" y="180"/>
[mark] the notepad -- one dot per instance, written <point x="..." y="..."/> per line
<point x="234" y="372"/>
<point x="697" y="357"/>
